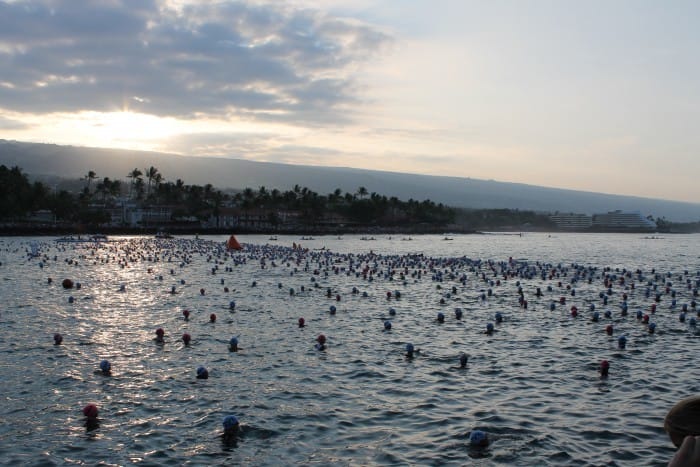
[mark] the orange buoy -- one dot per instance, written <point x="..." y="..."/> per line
<point x="232" y="243"/>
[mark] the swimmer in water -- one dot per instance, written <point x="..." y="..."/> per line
<point x="604" y="368"/>
<point x="231" y="429"/>
<point x="688" y="455"/>
<point x="105" y="368"/>
<point x="202" y="373"/>
<point x="57" y="339"/>
<point x="91" y="422"/>
<point x="478" y="439"/>
<point x="683" y="420"/>
<point x="411" y="351"/>
<point x="233" y="345"/>
<point x="160" y="336"/>
<point x="320" y="342"/>
<point x="463" y="360"/>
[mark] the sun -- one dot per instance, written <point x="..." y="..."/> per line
<point x="131" y="128"/>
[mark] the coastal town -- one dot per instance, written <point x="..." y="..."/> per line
<point x="149" y="203"/>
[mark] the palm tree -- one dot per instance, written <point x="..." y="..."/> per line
<point x="157" y="180"/>
<point x="150" y="174"/>
<point x="138" y="186"/>
<point x="134" y="175"/>
<point x="362" y="192"/>
<point x="91" y="175"/>
<point x="115" y="188"/>
<point x="103" y="188"/>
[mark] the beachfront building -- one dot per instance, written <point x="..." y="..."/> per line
<point x="572" y="221"/>
<point x="149" y="216"/>
<point x="623" y="220"/>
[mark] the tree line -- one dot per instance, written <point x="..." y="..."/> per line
<point x="90" y="197"/>
<point x="20" y="198"/>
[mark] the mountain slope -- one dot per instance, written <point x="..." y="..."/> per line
<point x="75" y="162"/>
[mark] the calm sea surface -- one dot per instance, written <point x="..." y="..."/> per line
<point x="533" y="385"/>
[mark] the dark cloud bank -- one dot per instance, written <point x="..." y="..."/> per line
<point x="265" y="62"/>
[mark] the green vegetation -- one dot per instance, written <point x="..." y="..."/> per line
<point x="21" y="199"/>
<point x="105" y="203"/>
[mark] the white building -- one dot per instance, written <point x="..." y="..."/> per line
<point x="623" y="220"/>
<point x="572" y="221"/>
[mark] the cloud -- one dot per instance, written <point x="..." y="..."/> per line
<point x="266" y="62"/>
<point x="10" y="124"/>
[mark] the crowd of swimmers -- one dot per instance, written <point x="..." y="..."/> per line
<point x="488" y="275"/>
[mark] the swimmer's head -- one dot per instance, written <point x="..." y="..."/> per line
<point x="321" y="339"/>
<point x="230" y="423"/>
<point x="90" y="411"/>
<point x="683" y="420"/>
<point x="301" y="322"/>
<point x="202" y="373"/>
<point x="463" y="360"/>
<point x="186" y="314"/>
<point x="57" y="339"/>
<point x="478" y="438"/>
<point x="604" y="368"/>
<point x="489" y="328"/>
<point x="160" y="333"/>
<point x="233" y="343"/>
<point x="387" y="325"/>
<point x="622" y="342"/>
<point x="105" y="366"/>
<point x="609" y="330"/>
<point x="409" y="349"/>
<point x="212" y="318"/>
<point x="440" y="317"/>
<point x="186" y="338"/>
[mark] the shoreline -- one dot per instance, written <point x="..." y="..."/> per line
<point x="50" y="230"/>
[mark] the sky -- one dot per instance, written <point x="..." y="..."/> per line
<point x="598" y="96"/>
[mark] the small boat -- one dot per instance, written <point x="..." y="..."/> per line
<point x="163" y="235"/>
<point x="98" y="238"/>
<point x="273" y="238"/>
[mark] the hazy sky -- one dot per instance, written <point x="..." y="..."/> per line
<point x="590" y="95"/>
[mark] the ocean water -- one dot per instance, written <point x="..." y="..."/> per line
<point x="533" y="385"/>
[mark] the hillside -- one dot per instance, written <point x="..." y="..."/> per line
<point x="46" y="160"/>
